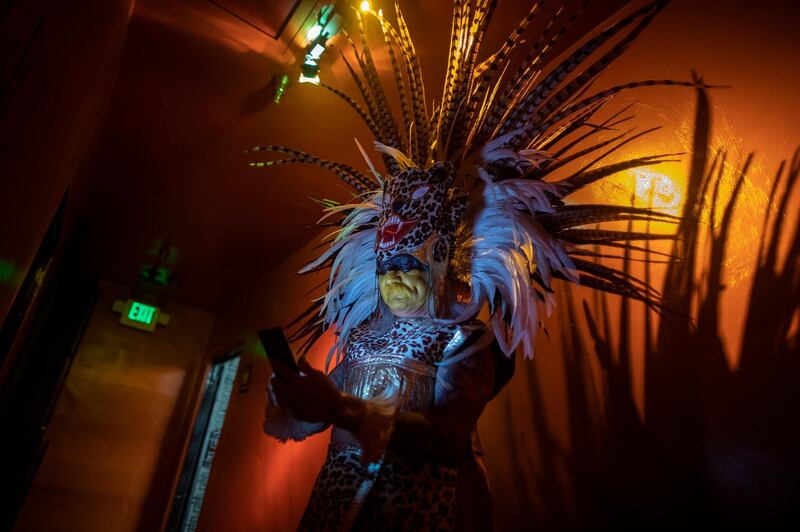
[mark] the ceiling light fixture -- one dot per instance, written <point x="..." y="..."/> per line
<point x="327" y="25"/>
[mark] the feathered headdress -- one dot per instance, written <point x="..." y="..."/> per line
<point x="466" y="186"/>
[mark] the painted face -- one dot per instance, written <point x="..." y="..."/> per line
<point x="405" y="293"/>
<point x="417" y="206"/>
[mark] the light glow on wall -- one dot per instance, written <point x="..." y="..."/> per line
<point x="656" y="189"/>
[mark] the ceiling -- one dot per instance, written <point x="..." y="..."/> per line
<point x="194" y="89"/>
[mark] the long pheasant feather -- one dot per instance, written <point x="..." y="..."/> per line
<point x="526" y="107"/>
<point x="373" y="127"/>
<point x="406" y="129"/>
<point x="417" y="89"/>
<point x="347" y="173"/>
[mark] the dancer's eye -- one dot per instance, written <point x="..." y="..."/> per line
<point x="420" y="192"/>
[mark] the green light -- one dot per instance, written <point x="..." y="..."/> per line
<point x="141" y="313"/>
<point x="158" y="275"/>
<point x="162" y="276"/>
<point x="282" y="84"/>
<point x="8" y="271"/>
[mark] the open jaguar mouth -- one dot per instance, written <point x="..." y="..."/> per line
<point x="393" y="230"/>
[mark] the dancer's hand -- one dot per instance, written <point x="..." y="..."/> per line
<point x="309" y="395"/>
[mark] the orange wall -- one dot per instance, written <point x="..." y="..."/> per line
<point x="257" y="483"/>
<point x="119" y="426"/>
<point x="53" y="118"/>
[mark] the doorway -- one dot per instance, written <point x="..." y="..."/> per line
<point x="188" y="500"/>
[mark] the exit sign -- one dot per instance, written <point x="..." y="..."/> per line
<point x="140" y="315"/>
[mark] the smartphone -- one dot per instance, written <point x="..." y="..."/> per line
<point x="277" y="347"/>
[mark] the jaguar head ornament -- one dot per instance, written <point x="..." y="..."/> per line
<point x="419" y="214"/>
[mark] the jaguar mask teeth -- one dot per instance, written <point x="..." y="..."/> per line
<point x="393" y="230"/>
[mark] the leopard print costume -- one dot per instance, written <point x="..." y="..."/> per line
<point x="409" y="493"/>
<point x="412" y="338"/>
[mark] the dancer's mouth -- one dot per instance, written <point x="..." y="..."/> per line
<point x="393" y="230"/>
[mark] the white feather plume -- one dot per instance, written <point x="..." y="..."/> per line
<point x="505" y="245"/>
<point x="352" y="294"/>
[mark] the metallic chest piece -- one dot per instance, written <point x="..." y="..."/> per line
<point x="401" y="360"/>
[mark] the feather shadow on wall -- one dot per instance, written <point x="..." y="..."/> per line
<point x="717" y="443"/>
